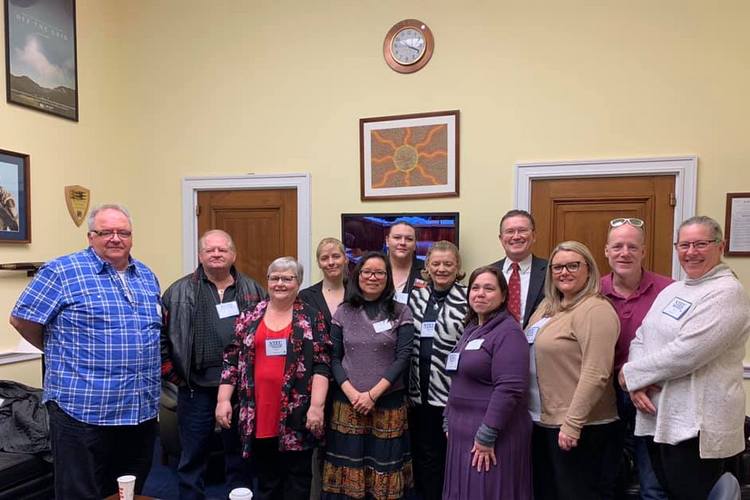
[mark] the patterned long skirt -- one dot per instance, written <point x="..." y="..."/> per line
<point x="368" y="456"/>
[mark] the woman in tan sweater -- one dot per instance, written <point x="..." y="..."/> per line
<point x="572" y="337"/>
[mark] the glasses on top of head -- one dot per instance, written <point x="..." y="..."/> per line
<point x="283" y="279"/>
<point x="684" y="246"/>
<point x="572" y="267"/>
<point x="367" y="274"/>
<point x="107" y="233"/>
<point x="621" y="221"/>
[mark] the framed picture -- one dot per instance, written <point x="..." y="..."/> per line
<point x="409" y="156"/>
<point x="737" y="225"/>
<point x="40" y="55"/>
<point x="362" y="233"/>
<point x="15" y="196"/>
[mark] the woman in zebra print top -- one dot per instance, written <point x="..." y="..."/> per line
<point x="438" y="309"/>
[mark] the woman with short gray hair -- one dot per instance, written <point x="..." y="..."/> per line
<point x="280" y="361"/>
<point x="684" y="371"/>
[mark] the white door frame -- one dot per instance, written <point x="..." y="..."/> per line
<point x="191" y="186"/>
<point x="684" y="168"/>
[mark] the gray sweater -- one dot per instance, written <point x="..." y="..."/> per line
<point x="691" y="343"/>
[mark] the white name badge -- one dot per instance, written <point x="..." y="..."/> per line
<point x="531" y="334"/>
<point x="382" y="326"/>
<point x="474" y="345"/>
<point x="428" y="330"/>
<point x="158" y="309"/>
<point x="677" y="308"/>
<point x="275" y="347"/>
<point x="452" y="361"/>
<point x="227" y="309"/>
<point x="401" y="297"/>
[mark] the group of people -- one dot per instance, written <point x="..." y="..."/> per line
<point x="396" y="380"/>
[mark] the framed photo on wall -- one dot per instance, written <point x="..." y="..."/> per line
<point x="15" y="197"/>
<point x="737" y="225"/>
<point x="409" y="156"/>
<point x="41" y="68"/>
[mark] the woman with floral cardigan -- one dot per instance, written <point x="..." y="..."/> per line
<point x="280" y="363"/>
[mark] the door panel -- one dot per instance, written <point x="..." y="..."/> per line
<point x="580" y="209"/>
<point x="263" y="224"/>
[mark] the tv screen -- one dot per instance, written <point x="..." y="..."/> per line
<point x="365" y="232"/>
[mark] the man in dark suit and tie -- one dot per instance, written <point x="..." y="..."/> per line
<point x="523" y="271"/>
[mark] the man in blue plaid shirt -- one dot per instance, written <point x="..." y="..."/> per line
<point x="96" y="314"/>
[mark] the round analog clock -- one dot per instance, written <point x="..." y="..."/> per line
<point x="408" y="46"/>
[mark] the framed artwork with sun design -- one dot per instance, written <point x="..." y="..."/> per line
<point x="409" y="156"/>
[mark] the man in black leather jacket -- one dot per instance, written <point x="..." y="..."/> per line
<point x="199" y="314"/>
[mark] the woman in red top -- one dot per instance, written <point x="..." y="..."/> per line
<point x="280" y="362"/>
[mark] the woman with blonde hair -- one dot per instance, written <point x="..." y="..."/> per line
<point x="438" y="309"/>
<point x="572" y="337"/>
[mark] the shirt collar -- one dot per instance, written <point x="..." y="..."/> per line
<point x="100" y="264"/>
<point x="524" y="265"/>
<point x="608" y="287"/>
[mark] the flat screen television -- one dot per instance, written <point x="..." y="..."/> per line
<point x="365" y="232"/>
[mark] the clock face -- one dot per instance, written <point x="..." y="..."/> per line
<point x="408" y="46"/>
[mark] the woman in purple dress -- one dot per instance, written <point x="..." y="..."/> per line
<point x="488" y="423"/>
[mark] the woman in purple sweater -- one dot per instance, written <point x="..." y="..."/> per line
<point x="489" y="428"/>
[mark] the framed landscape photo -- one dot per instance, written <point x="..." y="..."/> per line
<point x="409" y="156"/>
<point x="15" y="196"/>
<point x="41" y="68"/>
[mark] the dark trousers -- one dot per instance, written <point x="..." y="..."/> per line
<point x="281" y="475"/>
<point x="196" y="422"/>
<point x="579" y="474"/>
<point x="88" y="459"/>
<point x="682" y="472"/>
<point x="428" y="449"/>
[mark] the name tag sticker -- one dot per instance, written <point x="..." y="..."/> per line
<point x="158" y="309"/>
<point x="275" y="347"/>
<point x="452" y="361"/>
<point x="531" y="334"/>
<point x="401" y="297"/>
<point x="428" y="330"/>
<point x="227" y="309"/>
<point x="382" y="326"/>
<point x="677" y="308"/>
<point x="474" y="345"/>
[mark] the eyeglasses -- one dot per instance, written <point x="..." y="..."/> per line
<point x="571" y="267"/>
<point x="621" y="221"/>
<point x="108" y="234"/>
<point x="283" y="279"/>
<point x="522" y="231"/>
<point x="684" y="246"/>
<point x="367" y="274"/>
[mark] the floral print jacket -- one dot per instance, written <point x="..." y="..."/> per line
<point x="308" y="353"/>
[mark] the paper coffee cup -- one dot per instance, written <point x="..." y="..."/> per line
<point x="126" y="487"/>
<point x="240" y="494"/>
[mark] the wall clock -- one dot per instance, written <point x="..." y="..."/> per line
<point x="408" y="46"/>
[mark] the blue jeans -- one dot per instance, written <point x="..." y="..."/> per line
<point x="649" y="487"/>
<point x="196" y="422"/>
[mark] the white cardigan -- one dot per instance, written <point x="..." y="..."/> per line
<point x="694" y="349"/>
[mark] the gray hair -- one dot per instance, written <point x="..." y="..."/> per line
<point x="286" y="264"/>
<point x="107" y="206"/>
<point x="218" y="232"/>
<point x="704" y="220"/>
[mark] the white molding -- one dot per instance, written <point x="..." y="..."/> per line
<point x="684" y="168"/>
<point x="8" y="358"/>
<point x="191" y="186"/>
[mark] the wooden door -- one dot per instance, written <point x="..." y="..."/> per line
<point x="581" y="208"/>
<point x="263" y="224"/>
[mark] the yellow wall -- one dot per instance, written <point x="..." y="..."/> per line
<point x="187" y="87"/>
